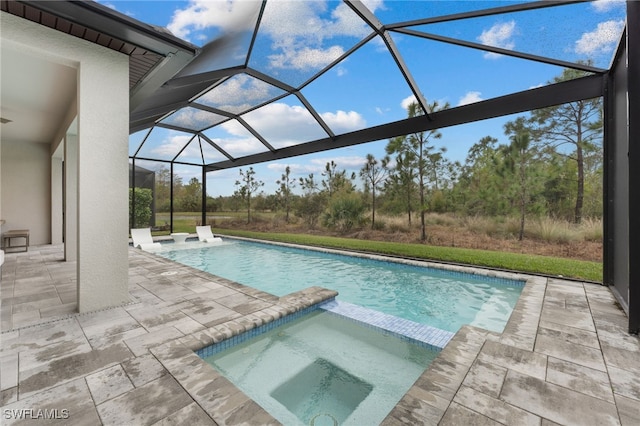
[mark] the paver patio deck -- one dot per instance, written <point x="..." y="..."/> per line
<point x="564" y="358"/>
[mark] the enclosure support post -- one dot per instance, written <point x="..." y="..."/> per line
<point x="633" y="75"/>
<point x="171" y="201"/>
<point x="204" y="196"/>
<point x="132" y="208"/>
<point x="608" y="144"/>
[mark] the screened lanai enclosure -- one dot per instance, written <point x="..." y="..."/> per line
<point x="309" y="67"/>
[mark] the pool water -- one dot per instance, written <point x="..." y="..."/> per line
<point x="323" y="369"/>
<point x="439" y="298"/>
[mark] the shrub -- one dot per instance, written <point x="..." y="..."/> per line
<point x="395" y="223"/>
<point x="260" y="219"/>
<point x="140" y="216"/>
<point x="554" y="230"/>
<point x="441" y="219"/>
<point x="591" y="229"/>
<point x="310" y="208"/>
<point x="344" y="212"/>
<point x="511" y="226"/>
<point x="481" y="225"/>
<point x="438" y="203"/>
<point x="280" y="219"/>
<point x="379" y="225"/>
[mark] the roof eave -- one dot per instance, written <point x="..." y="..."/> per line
<point x="118" y="25"/>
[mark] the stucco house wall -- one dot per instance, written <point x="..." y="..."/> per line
<point x="26" y="198"/>
<point x="101" y="163"/>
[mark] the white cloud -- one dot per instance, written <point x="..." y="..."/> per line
<point x="601" y="40"/>
<point x="470" y="98"/>
<point x="298" y="30"/>
<point x="297" y="169"/>
<point x="235" y="139"/>
<point x="202" y="14"/>
<point x="305" y="57"/>
<point x="241" y="87"/>
<point x="173" y="143"/>
<point x="346" y="22"/>
<point x="374" y="5"/>
<point x="347" y="163"/>
<point x="294" y="124"/>
<point x="411" y="99"/>
<point x="342" y="121"/>
<point x="300" y="34"/>
<point x="499" y="35"/>
<point x="341" y="71"/>
<point x="193" y="118"/>
<point x="251" y="89"/>
<point x="187" y="172"/>
<point x="294" y="169"/>
<point x="287" y="21"/>
<point x="170" y="146"/>
<point x="607" y="5"/>
<point x="241" y="146"/>
<point x="317" y="166"/>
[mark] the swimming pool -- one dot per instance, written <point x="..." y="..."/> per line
<point x="439" y="298"/>
<point x="321" y="369"/>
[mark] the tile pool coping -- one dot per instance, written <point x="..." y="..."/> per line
<point x="254" y="332"/>
<point x="422" y="335"/>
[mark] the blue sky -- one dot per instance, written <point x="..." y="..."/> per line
<point x="298" y="38"/>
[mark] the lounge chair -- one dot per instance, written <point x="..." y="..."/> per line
<point x="142" y="239"/>
<point x="206" y="236"/>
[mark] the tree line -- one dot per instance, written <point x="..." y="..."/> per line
<point x="551" y="166"/>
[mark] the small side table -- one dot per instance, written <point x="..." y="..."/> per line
<point x="17" y="233"/>
<point x="179" y="237"/>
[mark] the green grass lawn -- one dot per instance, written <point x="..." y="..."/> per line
<point x="186" y="221"/>
<point x="553" y="266"/>
<point x="545" y="265"/>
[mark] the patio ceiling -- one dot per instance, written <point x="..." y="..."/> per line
<point x="215" y="112"/>
<point x="36" y="92"/>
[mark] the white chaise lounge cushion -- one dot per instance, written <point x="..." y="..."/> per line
<point x="142" y="239"/>
<point x="206" y="236"/>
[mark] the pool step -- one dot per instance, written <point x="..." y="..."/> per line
<point x="420" y="334"/>
<point x="493" y="315"/>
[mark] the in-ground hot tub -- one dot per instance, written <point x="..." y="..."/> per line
<point x="322" y="369"/>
